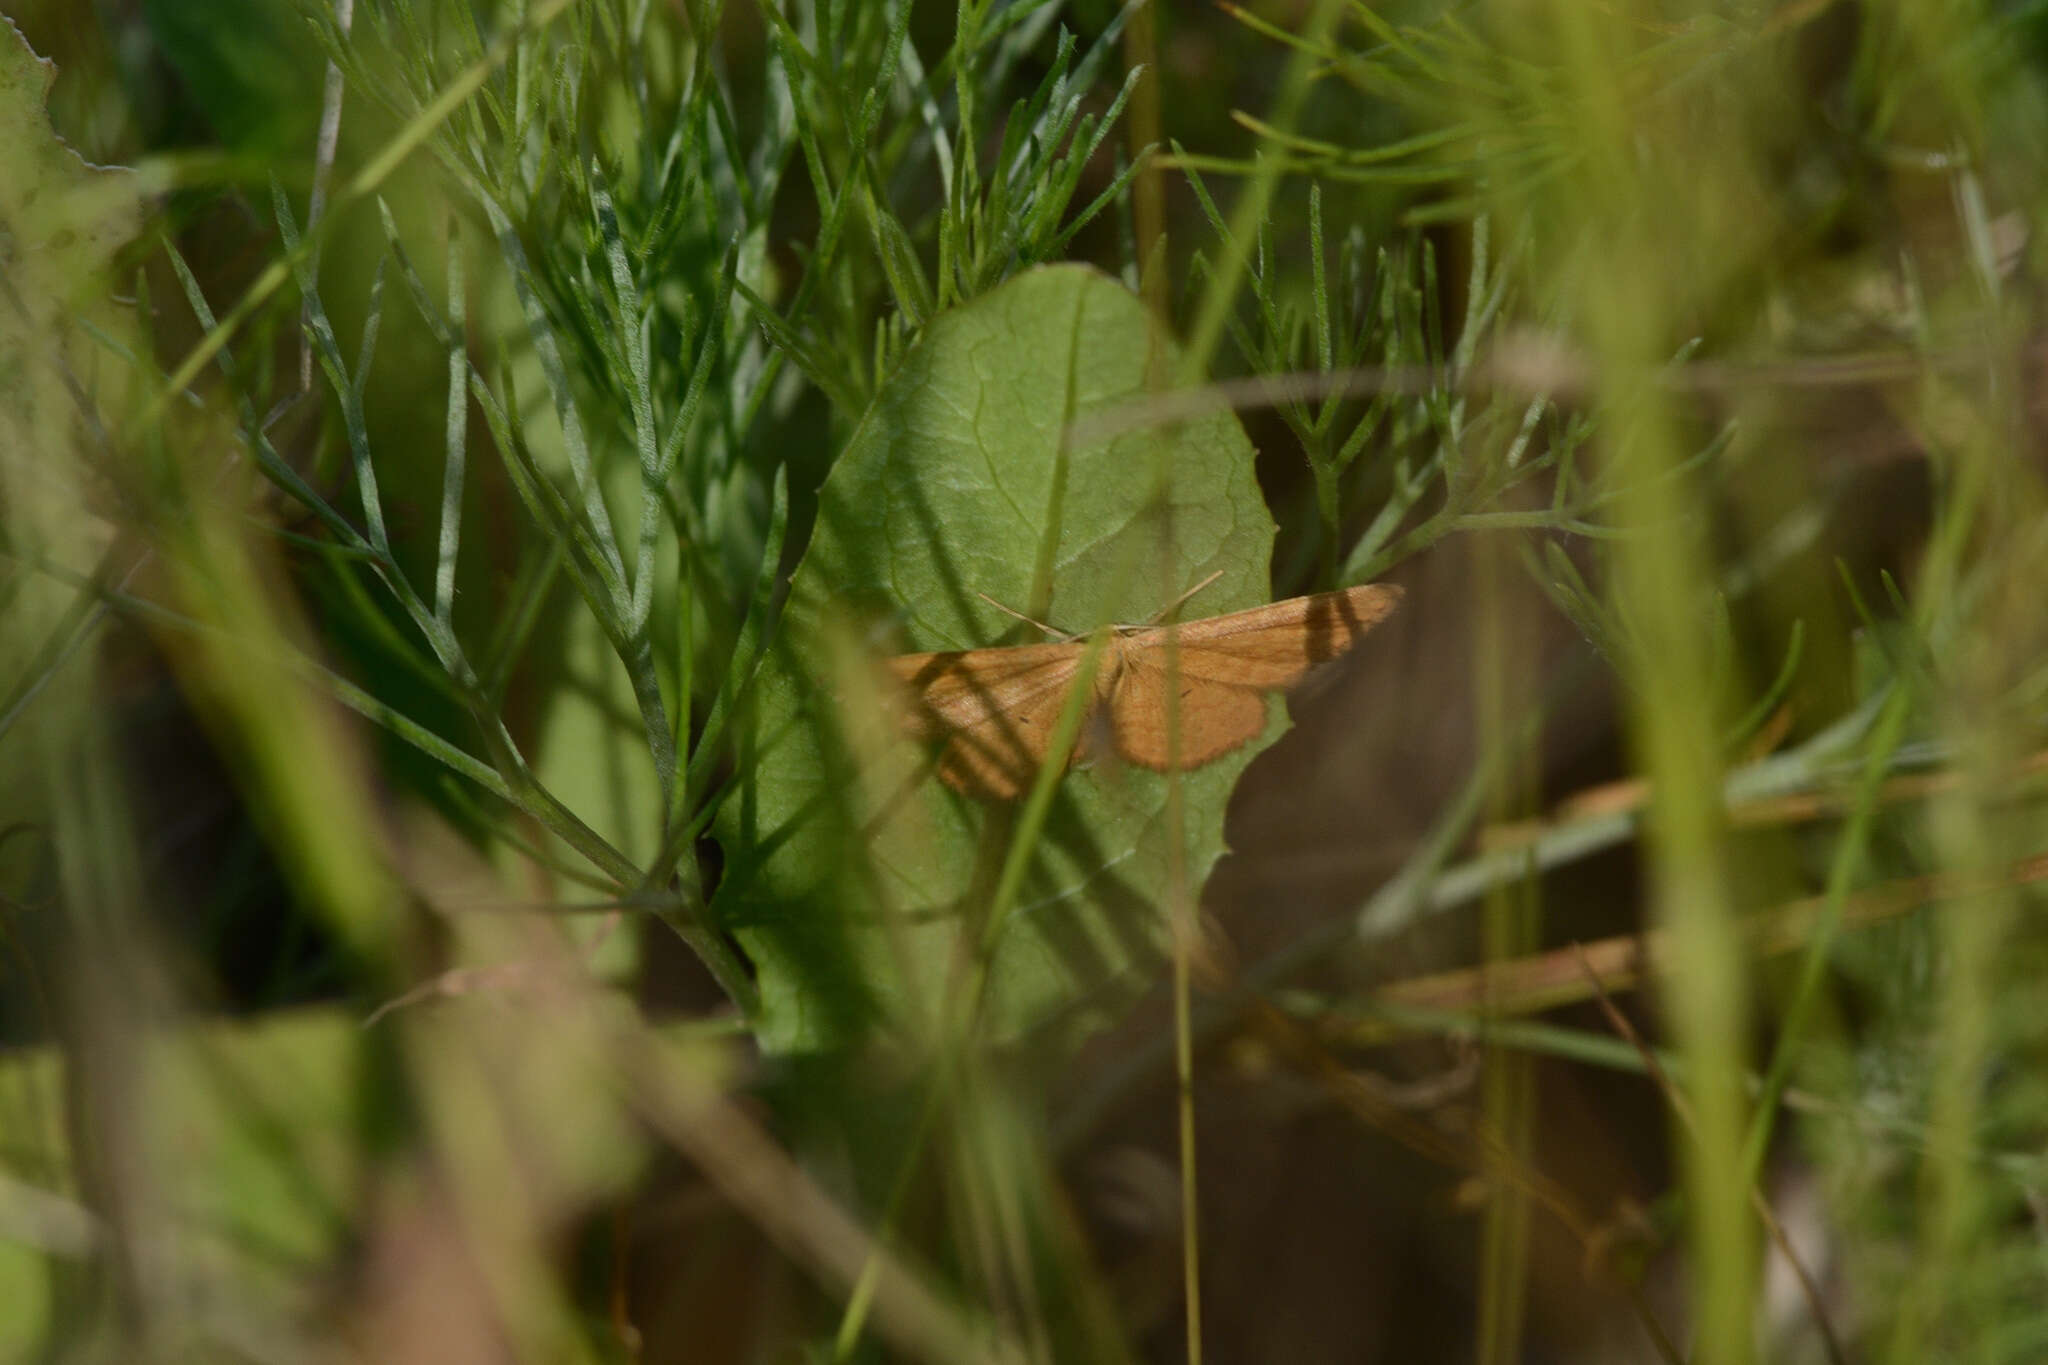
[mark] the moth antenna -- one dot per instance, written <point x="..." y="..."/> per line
<point x="1177" y="603"/>
<point x="1027" y="620"/>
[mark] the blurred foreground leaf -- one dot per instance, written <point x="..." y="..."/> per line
<point x="61" y="223"/>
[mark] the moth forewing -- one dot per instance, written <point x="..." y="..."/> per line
<point x="1001" y="755"/>
<point x="1272" y="646"/>
<point x="966" y="687"/>
<point x="994" y="710"/>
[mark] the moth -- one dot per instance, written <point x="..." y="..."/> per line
<point x="993" y="711"/>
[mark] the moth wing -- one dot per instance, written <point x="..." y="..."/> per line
<point x="1215" y="717"/>
<point x="1272" y="646"/>
<point x="1226" y="664"/>
<point x="998" y="758"/>
<point x="993" y="709"/>
<point x="964" y="687"/>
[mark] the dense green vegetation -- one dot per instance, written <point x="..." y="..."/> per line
<point x="465" y="887"/>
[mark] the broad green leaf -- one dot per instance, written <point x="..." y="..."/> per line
<point x="65" y="370"/>
<point x="851" y="873"/>
<point x="62" y="333"/>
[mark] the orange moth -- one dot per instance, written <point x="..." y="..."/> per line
<point x="993" y="710"/>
